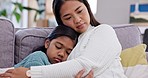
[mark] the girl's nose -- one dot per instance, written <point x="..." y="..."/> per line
<point x="61" y="53"/>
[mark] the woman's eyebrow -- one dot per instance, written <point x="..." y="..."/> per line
<point x="75" y="10"/>
<point x="66" y="15"/>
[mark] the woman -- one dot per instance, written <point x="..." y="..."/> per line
<point x="98" y="47"/>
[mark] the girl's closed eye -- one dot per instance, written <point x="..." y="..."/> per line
<point x="68" y="51"/>
<point x="58" y="46"/>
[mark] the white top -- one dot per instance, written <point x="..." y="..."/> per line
<point x="98" y="48"/>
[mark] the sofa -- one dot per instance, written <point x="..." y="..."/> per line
<point x="17" y="43"/>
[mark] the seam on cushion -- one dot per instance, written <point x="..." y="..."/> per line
<point x="122" y="26"/>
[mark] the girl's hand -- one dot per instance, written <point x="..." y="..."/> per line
<point x="80" y="73"/>
<point x="15" y="73"/>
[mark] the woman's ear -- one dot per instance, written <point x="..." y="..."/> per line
<point x="47" y="43"/>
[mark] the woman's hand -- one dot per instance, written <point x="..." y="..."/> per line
<point x="15" y="73"/>
<point x="80" y="73"/>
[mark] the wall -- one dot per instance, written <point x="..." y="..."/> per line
<point x="113" y="11"/>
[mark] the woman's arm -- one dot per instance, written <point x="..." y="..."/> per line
<point x="21" y="73"/>
<point x="99" y="53"/>
<point x="101" y="50"/>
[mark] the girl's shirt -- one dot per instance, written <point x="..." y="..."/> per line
<point x="37" y="58"/>
<point x="98" y="48"/>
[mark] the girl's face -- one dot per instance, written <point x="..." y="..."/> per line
<point x="75" y="15"/>
<point x="58" y="49"/>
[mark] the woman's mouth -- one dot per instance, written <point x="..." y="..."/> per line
<point x="80" y="26"/>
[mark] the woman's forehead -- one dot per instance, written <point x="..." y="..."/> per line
<point x="71" y="5"/>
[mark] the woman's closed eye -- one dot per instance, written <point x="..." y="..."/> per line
<point x="67" y="18"/>
<point x="80" y="11"/>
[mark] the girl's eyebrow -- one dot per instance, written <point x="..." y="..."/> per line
<point x="69" y="14"/>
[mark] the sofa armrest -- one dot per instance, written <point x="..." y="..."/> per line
<point x="7" y="39"/>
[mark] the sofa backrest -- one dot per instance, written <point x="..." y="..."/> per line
<point x="28" y="40"/>
<point x="129" y="35"/>
<point x="24" y="41"/>
<point x="7" y="39"/>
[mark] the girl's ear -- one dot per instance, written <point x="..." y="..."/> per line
<point x="47" y="43"/>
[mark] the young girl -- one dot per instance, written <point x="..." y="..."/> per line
<point x="98" y="47"/>
<point x="58" y="45"/>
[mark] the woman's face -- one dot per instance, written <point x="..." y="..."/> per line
<point x="58" y="49"/>
<point x="75" y="15"/>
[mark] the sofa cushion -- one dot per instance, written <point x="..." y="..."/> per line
<point x="129" y="35"/>
<point x="134" y="56"/>
<point x="27" y="40"/>
<point x="6" y="43"/>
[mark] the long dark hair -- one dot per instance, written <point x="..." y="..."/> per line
<point x="59" y="31"/>
<point x="56" y="6"/>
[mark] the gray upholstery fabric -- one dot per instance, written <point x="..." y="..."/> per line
<point x="6" y="43"/>
<point x="128" y="35"/>
<point x="27" y="40"/>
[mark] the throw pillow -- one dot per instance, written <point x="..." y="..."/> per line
<point x="134" y="55"/>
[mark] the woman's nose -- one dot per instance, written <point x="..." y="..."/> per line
<point x="77" y="19"/>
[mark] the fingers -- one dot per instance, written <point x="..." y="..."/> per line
<point x="10" y="71"/>
<point x="90" y="74"/>
<point x="5" y="75"/>
<point x="80" y="73"/>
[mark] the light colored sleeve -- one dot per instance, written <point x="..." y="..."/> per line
<point x="102" y="49"/>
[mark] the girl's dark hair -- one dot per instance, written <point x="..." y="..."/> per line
<point x="61" y="30"/>
<point x="56" y="6"/>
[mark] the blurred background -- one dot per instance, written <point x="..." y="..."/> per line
<point x="38" y="13"/>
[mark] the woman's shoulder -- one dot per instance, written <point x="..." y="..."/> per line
<point x="104" y="27"/>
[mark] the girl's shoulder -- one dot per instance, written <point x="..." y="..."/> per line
<point x="37" y="54"/>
